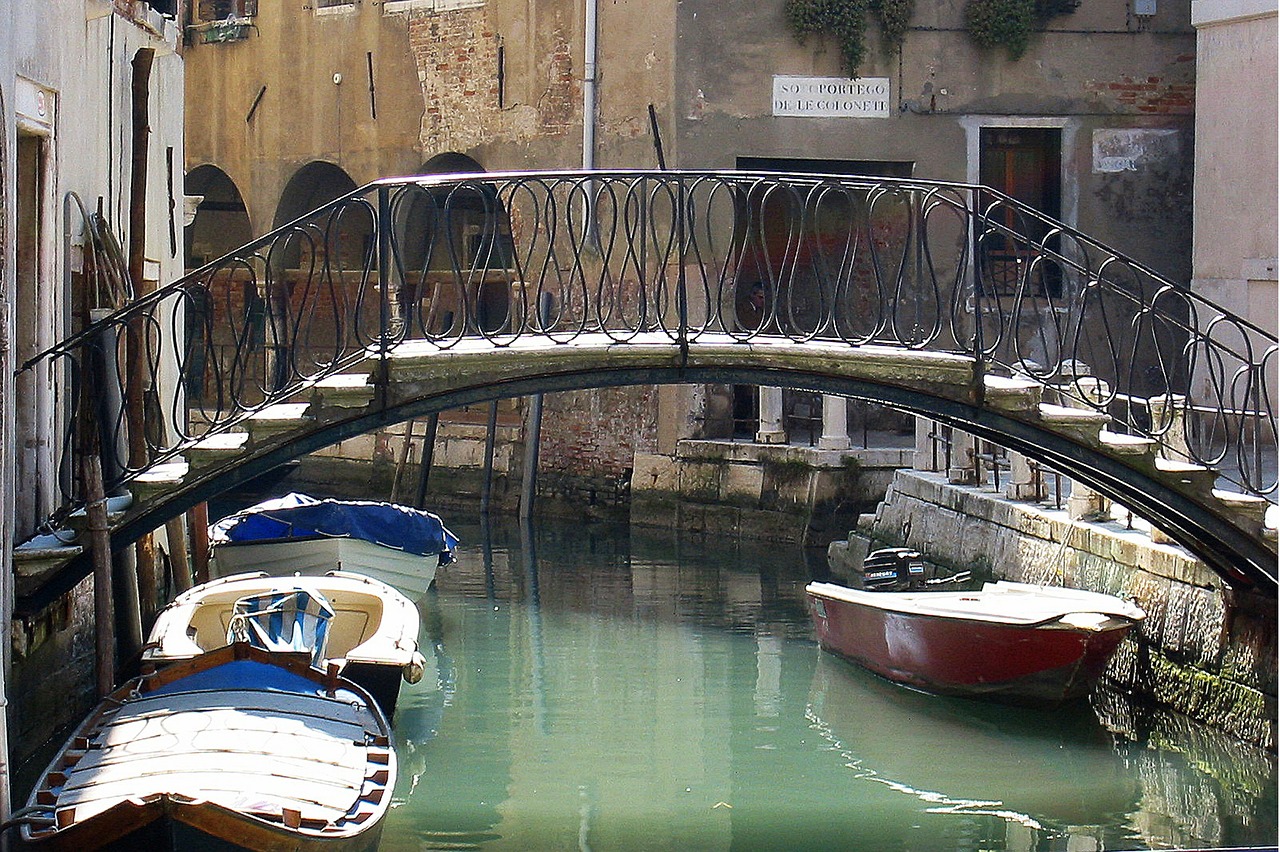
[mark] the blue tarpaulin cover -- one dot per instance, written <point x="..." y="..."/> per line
<point x="302" y="516"/>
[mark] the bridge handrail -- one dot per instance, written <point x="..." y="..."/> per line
<point x="444" y="258"/>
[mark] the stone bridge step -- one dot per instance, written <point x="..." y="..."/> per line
<point x="1128" y="445"/>
<point x="344" y="390"/>
<point x="1194" y="480"/>
<point x="157" y="479"/>
<point x="1007" y="393"/>
<point x="1084" y="423"/>
<point x="217" y="449"/>
<point x="1247" y="506"/>
<point x="277" y="419"/>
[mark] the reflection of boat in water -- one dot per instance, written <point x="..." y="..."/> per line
<point x="972" y="757"/>
<point x="371" y="630"/>
<point x="1011" y="642"/>
<point x="399" y="545"/>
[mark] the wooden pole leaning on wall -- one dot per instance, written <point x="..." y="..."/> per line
<point x="533" y="428"/>
<point x="104" y="617"/>
<point x="144" y="575"/>
<point x="176" y="531"/>
<point x="428" y="454"/>
<point x="490" y="437"/>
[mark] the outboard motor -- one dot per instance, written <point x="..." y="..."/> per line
<point x="893" y="569"/>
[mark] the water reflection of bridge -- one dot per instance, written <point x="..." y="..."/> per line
<point x="408" y="297"/>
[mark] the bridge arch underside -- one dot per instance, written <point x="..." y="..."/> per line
<point x="933" y="385"/>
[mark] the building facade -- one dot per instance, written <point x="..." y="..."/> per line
<point x="67" y="154"/>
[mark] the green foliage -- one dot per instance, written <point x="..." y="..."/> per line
<point x="1011" y="23"/>
<point x="990" y="23"/>
<point x="895" y="17"/>
<point x="846" y="22"/>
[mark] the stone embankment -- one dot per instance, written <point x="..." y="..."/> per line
<point x="1205" y="650"/>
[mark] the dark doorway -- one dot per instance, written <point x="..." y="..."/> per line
<point x="1026" y="164"/>
<point x="785" y="280"/>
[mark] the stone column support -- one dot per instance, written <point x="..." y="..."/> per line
<point x="1169" y="424"/>
<point x="1169" y="427"/>
<point x="1084" y="502"/>
<point x="835" y="424"/>
<point x="771" y="431"/>
<point x="1023" y="483"/>
<point x="963" y="446"/>
<point x="929" y="454"/>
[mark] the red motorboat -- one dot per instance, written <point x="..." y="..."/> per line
<point x="1011" y="642"/>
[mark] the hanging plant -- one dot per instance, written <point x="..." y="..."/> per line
<point x="895" y="18"/>
<point x="845" y="21"/>
<point x="1011" y="23"/>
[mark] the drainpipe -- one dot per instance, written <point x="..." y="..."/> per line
<point x="589" y="90"/>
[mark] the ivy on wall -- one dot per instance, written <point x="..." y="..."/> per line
<point x="845" y="21"/>
<point x="1010" y="23"/>
<point x="989" y="23"/>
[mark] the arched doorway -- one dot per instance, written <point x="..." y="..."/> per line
<point x="221" y="223"/>
<point x="348" y="231"/>
<point x="454" y="245"/>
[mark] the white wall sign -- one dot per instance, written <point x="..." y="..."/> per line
<point x="34" y="103"/>
<point x="831" y="97"/>
<point x="1129" y="150"/>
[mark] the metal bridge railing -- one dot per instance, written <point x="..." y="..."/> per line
<point x="447" y="259"/>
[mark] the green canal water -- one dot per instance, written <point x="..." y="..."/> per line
<point x="593" y="688"/>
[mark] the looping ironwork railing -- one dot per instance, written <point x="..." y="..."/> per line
<point x="682" y="255"/>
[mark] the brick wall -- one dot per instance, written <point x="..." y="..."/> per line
<point x="456" y="53"/>
<point x="1173" y="93"/>
<point x="457" y="57"/>
<point x="589" y="439"/>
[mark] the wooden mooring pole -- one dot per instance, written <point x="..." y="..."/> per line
<point x="104" y="616"/>
<point x="142" y="573"/>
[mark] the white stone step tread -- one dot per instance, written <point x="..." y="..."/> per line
<point x="1011" y="384"/>
<point x="1072" y="416"/>
<point x="345" y="381"/>
<point x="345" y="390"/>
<point x="164" y="473"/>
<point x="223" y="442"/>
<point x="1012" y="391"/>
<point x="1196" y="475"/>
<point x="1176" y="466"/>
<point x="1126" y="444"/>
<point x="1235" y="498"/>
<point x="281" y="411"/>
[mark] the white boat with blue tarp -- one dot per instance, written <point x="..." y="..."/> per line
<point x="297" y="533"/>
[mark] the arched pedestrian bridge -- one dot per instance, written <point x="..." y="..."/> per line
<point x="412" y="296"/>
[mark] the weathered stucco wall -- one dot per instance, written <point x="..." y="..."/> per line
<point x="1204" y="650"/>
<point x="1098" y="74"/>
<point x="1235" y="247"/>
